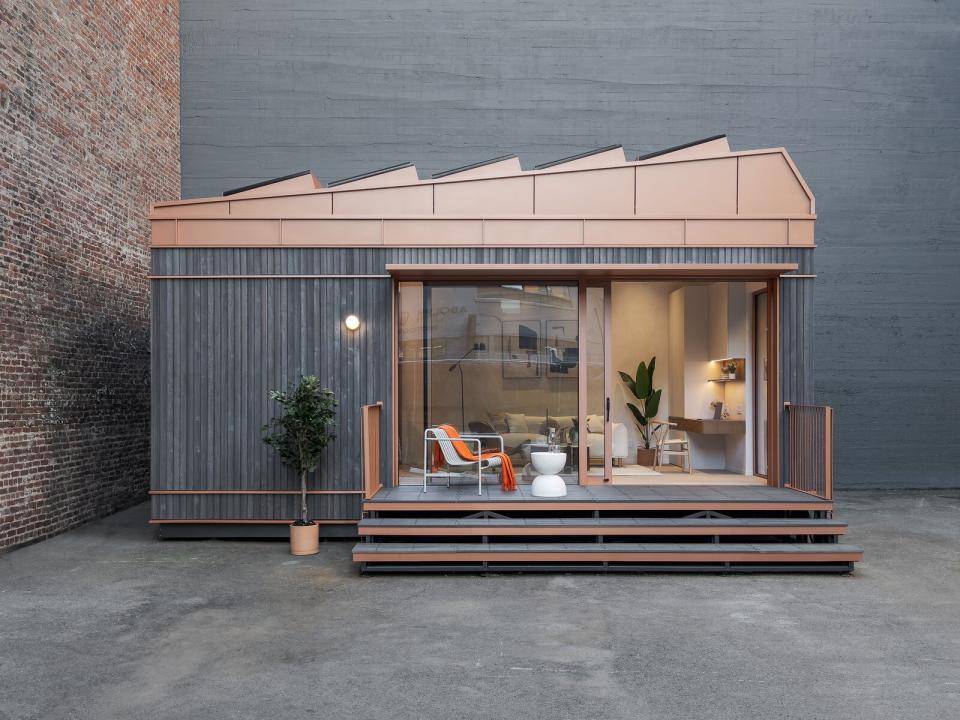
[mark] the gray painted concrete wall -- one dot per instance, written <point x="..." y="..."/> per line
<point x="863" y="93"/>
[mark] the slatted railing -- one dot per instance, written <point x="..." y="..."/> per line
<point x="370" y="439"/>
<point x="810" y="449"/>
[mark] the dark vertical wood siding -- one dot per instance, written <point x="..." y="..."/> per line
<point x="796" y="352"/>
<point x="312" y="261"/>
<point x="220" y="346"/>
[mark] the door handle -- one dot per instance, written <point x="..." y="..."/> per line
<point x="607" y="410"/>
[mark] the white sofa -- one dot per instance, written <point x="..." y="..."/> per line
<point x="618" y="441"/>
<point x="517" y="430"/>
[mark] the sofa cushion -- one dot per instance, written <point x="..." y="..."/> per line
<point x="536" y="423"/>
<point x="499" y="421"/>
<point x="517" y="423"/>
<point x="479" y="426"/>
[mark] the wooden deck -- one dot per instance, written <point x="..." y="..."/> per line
<point x="695" y="528"/>
<point x="598" y="497"/>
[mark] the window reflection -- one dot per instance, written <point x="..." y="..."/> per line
<point x="499" y="359"/>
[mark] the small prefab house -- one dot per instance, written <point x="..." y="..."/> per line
<point x="632" y="338"/>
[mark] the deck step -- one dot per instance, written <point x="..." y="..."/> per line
<point x="638" y="556"/>
<point x="599" y="498"/>
<point x="498" y="505"/>
<point x="412" y="527"/>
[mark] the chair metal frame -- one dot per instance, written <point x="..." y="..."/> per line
<point x="453" y="459"/>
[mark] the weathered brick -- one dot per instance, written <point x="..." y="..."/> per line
<point x="89" y="136"/>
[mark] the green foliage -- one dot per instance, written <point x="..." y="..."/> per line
<point x="648" y="399"/>
<point x="303" y="429"/>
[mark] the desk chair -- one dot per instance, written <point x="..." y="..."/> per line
<point x="670" y="446"/>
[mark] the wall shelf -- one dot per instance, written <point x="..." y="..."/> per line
<point x="740" y="374"/>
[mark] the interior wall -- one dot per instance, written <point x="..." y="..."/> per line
<point x="677" y="401"/>
<point x="708" y="322"/>
<point x="707" y="451"/>
<point x="641" y="330"/>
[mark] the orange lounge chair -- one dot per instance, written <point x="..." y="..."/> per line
<point x="452" y="449"/>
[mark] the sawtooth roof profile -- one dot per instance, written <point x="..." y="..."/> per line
<point x="696" y="194"/>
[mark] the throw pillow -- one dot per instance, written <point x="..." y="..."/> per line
<point x="499" y="421"/>
<point x="516" y="423"/>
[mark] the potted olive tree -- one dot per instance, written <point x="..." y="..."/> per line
<point x="299" y="434"/>
<point x="646" y="407"/>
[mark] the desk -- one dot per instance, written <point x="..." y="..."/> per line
<point x="710" y="427"/>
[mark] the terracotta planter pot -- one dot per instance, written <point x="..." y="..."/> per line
<point x="646" y="456"/>
<point x="304" y="539"/>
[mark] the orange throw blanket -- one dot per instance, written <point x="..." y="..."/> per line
<point x="508" y="479"/>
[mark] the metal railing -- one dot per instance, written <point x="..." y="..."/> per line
<point x="810" y="449"/>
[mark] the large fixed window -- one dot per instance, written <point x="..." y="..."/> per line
<point x="496" y="358"/>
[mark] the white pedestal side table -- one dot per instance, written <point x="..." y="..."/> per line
<point x="548" y="483"/>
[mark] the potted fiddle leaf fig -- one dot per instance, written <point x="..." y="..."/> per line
<point x="646" y="407"/>
<point x="299" y="434"/>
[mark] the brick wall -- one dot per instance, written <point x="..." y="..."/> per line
<point x="89" y="136"/>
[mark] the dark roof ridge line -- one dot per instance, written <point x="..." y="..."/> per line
<point x="579" y="156"/>
<point x="264" y="183"/>
<point x="472" y="166"/>
<point x="370" y="174"/>
<point x="675" y="148"/>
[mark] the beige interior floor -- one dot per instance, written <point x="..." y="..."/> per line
<point x="673" y="475"/>
<point x="640" y="475"/>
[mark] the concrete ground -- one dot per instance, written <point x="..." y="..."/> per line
<point x="107" y="622"/>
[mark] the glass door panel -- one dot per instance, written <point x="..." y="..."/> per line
<point x="498" y="360"/>
<point x="761" y="377"/>
<point x="595" y="455"/>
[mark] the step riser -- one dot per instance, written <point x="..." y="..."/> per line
<point x="641" y="557"/>
<point x="715" y="530"/>
<point x="600" y="567"/>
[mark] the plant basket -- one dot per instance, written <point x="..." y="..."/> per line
<point x="646" y="456"/>
<point x="304" y="539"/>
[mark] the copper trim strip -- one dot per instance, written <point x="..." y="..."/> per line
<point x="268" y="277"/>
<point x="492" y="216"/>
<point x="254" y="492"/>
<point x="596" y="271"/>
<point x="554" y="506"/>
<point x="263" y="521"/>
<point x="427" y="246"/>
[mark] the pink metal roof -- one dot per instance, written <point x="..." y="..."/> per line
<point x="695" y="194"/>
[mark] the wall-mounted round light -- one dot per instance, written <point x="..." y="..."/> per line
<point x="352" y="322"/>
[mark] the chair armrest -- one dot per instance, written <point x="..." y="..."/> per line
<point x="498" y="438"/>
<point x="465" y="439"/>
